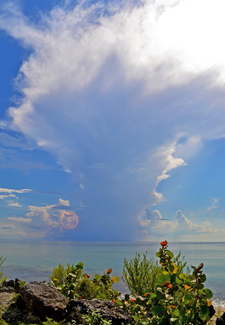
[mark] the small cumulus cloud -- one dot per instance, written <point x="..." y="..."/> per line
<point x="7" y="227"/>
<point x="64" y="202"/>
<point x="20" y="219"/>
<point x="49" y="214"/>
<point x="39" y="222"/>
<point x="15" y="204"/>
<point x="7" y="190"/>
<point x="3" y="196"/>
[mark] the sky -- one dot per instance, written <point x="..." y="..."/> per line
<point x="112" y="120"/>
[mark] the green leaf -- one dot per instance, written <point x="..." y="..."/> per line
<point x="162" y="278"/>
<point x="176" y="313"/>
<point x="158" y="254"/>
<point x="171" y="255"/>
<point x="153" y="295"/>
<point x="158" y="310"/>
<point x="171" y="268"/>
<point x="97" y="277"/>
<point x="22" y="283"/>
<point x="182" y="276"/>
<point x="204" y="311"/>
<point x="188" y="282"/>
<point x="200" y="286"/>
<point x="208" y="293"/>
<point x="203" y="278"/>
<point x="173" y="278"/>
<point x="80" y="265"/>
<point x="160" y="295"/>
<point x="187" y="298"/>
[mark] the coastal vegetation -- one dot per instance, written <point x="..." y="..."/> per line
<point x="2" y="278"/>
<point x="163" y="292"/>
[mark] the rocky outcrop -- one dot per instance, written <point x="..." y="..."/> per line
<point x="6" y="297"/>
<point x="44" y="300"/>
<point x="35" y="302"/>
<point x="105" y="309"/>
<point x="221" y="320"/>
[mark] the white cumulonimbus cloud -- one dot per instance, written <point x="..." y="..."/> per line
<point x="111" y="94"/>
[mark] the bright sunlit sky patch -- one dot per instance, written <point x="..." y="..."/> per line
<point x="114" y="111"/>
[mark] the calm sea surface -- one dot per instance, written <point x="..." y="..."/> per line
<point x="35" y="260"/>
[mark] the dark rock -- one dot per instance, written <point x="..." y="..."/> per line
<point x="221" y="320"/>
<point x="106" y="309"/>
<point x="14" y="315"/>
<point x="10" y="283"/>
<point x="20" y="303"/>
<point x="44" y="300"/>
<point x="7" y="289"/>
<point x="17" y="285"/>
<point x="211" y="311"/>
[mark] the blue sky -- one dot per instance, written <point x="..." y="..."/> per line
<point x="113" y="111"/>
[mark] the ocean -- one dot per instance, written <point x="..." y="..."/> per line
<point x="29" y="260"/>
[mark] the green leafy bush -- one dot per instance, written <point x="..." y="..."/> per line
<point x="63" y="275"/>
<point x="94" y="319"/>
<point x="178" y="299"/>
<point x="2" y="278"/>
<point x="86" y="289"/>
<point x="140" y="274"/>
<point x="73" y="283"/>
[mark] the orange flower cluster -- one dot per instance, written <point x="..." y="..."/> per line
<point x="163" y="243"/>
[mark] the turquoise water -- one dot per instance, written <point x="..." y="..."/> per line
<point x="35" y="260"/>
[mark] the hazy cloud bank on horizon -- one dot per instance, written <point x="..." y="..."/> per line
<point x="111" y="96"/>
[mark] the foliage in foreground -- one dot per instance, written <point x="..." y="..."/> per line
<point x="2" y="278"/>
<point x="141" y="274"/>
<point x="168" y="296"/>
<point x="164" y="292"/>
<point x="74" y="284"/>
<point x="179" y="298"/>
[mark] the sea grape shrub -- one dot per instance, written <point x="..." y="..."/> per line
<point x="75" y="284"/>
<point x="180" y="298"/>
<point x="104" y="283"/>
<point x="62" y="274"/>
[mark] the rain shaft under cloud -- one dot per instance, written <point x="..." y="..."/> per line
<point x="110" y="90"/>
